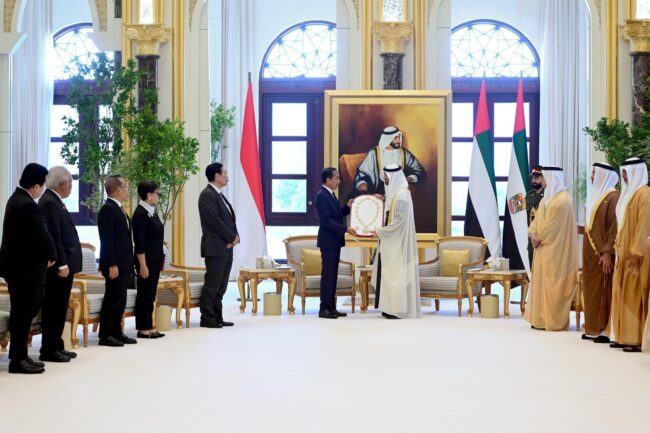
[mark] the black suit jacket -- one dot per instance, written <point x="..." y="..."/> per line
<point x="115" y="237"/>
<point x="26" y="244"/>
<point x="218" y="223"/>
<point x="148" y="234"/>
<point x="63" y="232"/>
<point x="331" y="230"/>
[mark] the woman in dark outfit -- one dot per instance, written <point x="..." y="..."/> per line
<point x="148" y="235"/>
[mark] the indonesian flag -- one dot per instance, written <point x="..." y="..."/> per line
<point x="250" y="204"/>
<point x="482" y="214"/>
<point x="515" y="227"/>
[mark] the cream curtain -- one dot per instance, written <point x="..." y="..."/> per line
<point x="33" y="89"/>
<point x="563" y="102"/>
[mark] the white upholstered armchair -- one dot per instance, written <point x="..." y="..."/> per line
<point x="433" y="284"/>
<point x="308" y="286"/>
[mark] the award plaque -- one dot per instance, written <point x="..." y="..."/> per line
<point x="366" y="214"/>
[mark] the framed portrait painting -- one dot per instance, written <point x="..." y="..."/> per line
<point x="366" y="130"/>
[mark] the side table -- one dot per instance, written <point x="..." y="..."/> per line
<point x="505" y="277"/>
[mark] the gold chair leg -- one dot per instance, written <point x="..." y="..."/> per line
<point x="354" y="295"/>
<point x="187" y="316"/>
<point x="85" y="332"/>
<point x="303" y="301"/>
<point x="4" y="343"/>
<point x="292" y="294"/>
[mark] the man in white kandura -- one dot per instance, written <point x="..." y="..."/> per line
<point x="395" y="271"/>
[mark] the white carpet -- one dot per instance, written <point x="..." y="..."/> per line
<point x="362" y="373"/>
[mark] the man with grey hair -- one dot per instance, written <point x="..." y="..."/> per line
<point x="59" y="277"/>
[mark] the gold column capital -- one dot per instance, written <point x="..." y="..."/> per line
<point x="638" y="33"/>
<point x="148" y="37"/>
<point x="393" y="35"/>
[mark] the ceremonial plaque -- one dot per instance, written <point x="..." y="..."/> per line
<point x="366" y="214"/>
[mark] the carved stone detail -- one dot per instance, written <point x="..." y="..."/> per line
<point x="393" y="35"/>
<point x="638" y="33"/>
<point x="102" y="14"/>
<point x="148" y="37"/>
<point x="8" y="14"/>
<point x="355" y="3"/>
<point x="192" y="7"/>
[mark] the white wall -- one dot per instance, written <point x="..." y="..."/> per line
<point x="523" y="15"/>
<point x="68" y="12"/>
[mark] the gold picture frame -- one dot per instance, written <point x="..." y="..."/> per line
<point x="421" y="113"/>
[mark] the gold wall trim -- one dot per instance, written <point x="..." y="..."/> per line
<point x="367" y="43"/>
<point x="419" y="58"/>
<point x="127" y="18"/>
<point x="102" y="14"/>
<point x="178" y="62"/>
<point x="638" y="33"/>
<point x="8" y="14"/>
<point x="612" y="59"/>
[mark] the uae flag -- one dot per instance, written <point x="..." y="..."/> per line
<point x="250" y="204"/>
<point x="515" y="226"/>
<point x="482" y="214"/>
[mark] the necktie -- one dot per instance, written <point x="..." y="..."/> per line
<point x="128" y="220"/>
<point x="223" y="197"/>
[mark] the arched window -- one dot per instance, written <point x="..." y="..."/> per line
<point x="501" y="55"/>
<point x="299" y="65"/>
<point x="72" y="46"/>
<point x="483" y="49"/>
<point x="307" y="50"/>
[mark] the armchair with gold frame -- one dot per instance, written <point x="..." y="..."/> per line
<point x="308" y="286"/>
<point x="434" y="285"/>
<point x="190" y="296"/>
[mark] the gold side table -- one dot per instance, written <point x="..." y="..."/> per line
<point x="505" y="277"/>
<point x="176" y="285"/>
<point x="365" y="275"/>
<point x="254" y="276"/>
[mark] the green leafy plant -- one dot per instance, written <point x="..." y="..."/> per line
<point x="619" y="141"/>
<point x="102" y="104"/>
<point x="221" y="119"/>
<point x="160" y="152"/>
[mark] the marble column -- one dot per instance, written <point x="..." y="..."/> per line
<point x="393" y="71"/>
<point x="640" y="75"/>
<point x="149" y="65"/>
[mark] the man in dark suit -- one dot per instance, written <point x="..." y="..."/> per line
<point x="26" y="252"/>
<point x="68" y="262"/>
<point x="220" y="236"/>
<point x="331" y="238"/>
<point x="115" y="261"/>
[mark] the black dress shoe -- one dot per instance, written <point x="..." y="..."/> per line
<point x="389" y="316"/>
<point x="71" y="355"/>
<point x="54" y="357"/>
<point x="210" y="325"/>
<point x="227" y="324"/>
<point x="149" y="335"/>
<point x="158" y="334"/>
<point x="631" y="349"/>
<point x="24" y="367"/>
<point x="601" y="339"/>
<point x="326" y="314"/>
<point x="615" y="345"/>
<point x="126" y="340"/>
<point x="587" y="337"/>
<point x="339" y="314"/>
<point x="34" y="363"/>
<point x="111" y="342"/>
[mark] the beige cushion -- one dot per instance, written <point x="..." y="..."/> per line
<point x="450" y="259"/>
<point x="311" y="261"/>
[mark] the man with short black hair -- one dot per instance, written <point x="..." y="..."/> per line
<point x="220" y="236"/>
<point x="115" y="261"/>
<point x="26" y="252"/>
<point x="68" y="262"/>
<point x="331" y="238"/>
